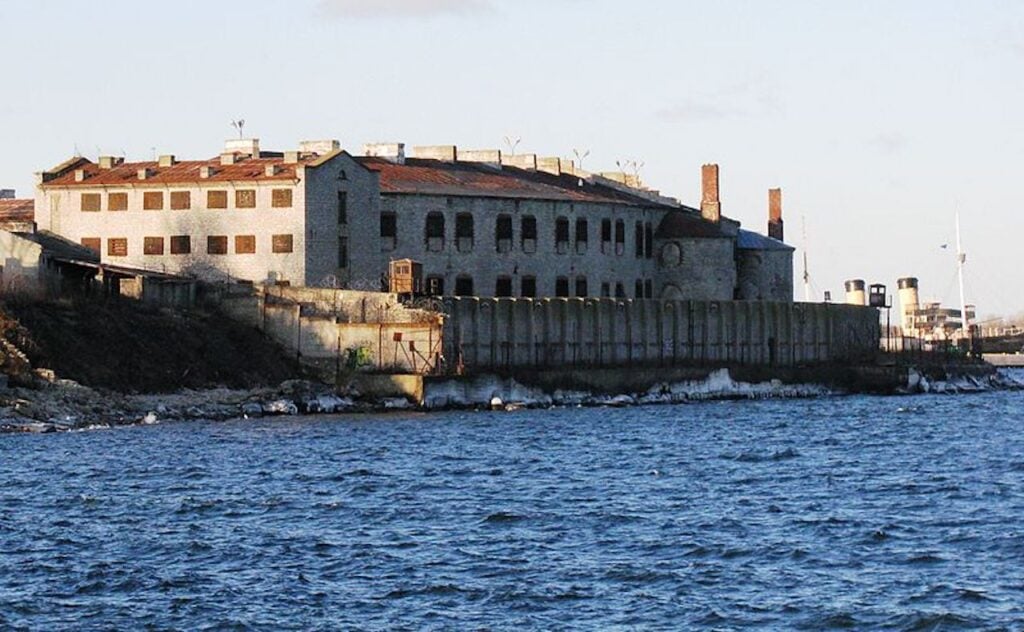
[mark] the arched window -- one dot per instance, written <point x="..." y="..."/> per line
<point x="528" y="233"/>
<point x="581" y="235"/>
<point x="503" y="233"/>
<point x="562" y="235"/>
<point x="581" y="286"/>
<point x="463" y="232"/>
<point x="561" y="286"/>
<point x="435" y="232"/>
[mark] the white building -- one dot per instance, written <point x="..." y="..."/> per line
<point x="246" y="214"/>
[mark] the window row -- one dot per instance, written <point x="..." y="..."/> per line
<point x="613" y="236"/>
<point x="182" y="245"/>
<point x="503" y="287"/>
<point x="182" y="200"/>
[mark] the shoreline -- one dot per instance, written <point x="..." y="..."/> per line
<point x="63" y="405"/>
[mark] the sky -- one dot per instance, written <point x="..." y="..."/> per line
<point x="880" y="120"/>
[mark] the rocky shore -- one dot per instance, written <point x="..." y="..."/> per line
<point x="56" y="405"/>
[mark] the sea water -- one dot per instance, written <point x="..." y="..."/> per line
<point x="857" y="512"/>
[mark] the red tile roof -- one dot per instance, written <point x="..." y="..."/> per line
<point x="438" y="177"/>
<point x="185" y="171"/>
<point x="17" y="210"/>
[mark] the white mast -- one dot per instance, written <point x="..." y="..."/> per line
<point x="807" y="275"/>
<point x="961" y="257"/>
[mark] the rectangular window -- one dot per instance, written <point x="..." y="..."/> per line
<point x="388" y="225"/>
<point x="117" y="202"/>
<point x="152" y="245"/>
<point x="388" y="231"/>
<point x="561" y="230"/>
<point x="435" y="286"/>
<point x="245" y="244"/>
<point x="281" y="243"/>
<point x="503" y="287"/>
<point x="638" y="289"/>
<point x="464" y="232"/>
<point x="181" y="200"/>
<point x="620" y="237"/>
<point x="117" y="247"/>
<point x="181" y="245"/>
<point x="581" y="286"/>
<point x="216" y="199"/>
<point x="342" y="209"/>
<point x="342" y="252"/>
<point x="92" y="243"/>
<point x="281" y="198"/>
<point x="648" y="289"/>
<point x="217" y="245"/>
<point x="606" y="230"/>
<point x="245" y="198"/>
<point x="606" y="289"/>
<point x="561" y="286"/>
<point x="90" y="202"/>
<point x="648" y="242"/>
<point x="463" y="286"/>
<point x="528" y="286"/>
<point x="638" y="241"/>
<point x="153" y="201"/>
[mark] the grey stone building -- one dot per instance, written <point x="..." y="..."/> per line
<point x="481" y="223"/>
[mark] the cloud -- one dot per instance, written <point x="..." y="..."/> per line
<point x="368" y="9"/>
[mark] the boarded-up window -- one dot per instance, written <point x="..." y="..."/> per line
<point x="117" y="247"/>
<point x="245" y="198"/>
<point x="281" y="243"/>
<point x="245" y="244"/>
<point x="152" y="245"/>
<point x="153" y="200"/>
<point x="90" y="201"/>
<point x="181" y="245"/>
<point x="117" y="202"/>
<point x="181" y="200"/>
<point x="217" y="245"/>
<point x="281" y="198"/>
<point x="216" y="199"/>
<point x="92" y="243"/>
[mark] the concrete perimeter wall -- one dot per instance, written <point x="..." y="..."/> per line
<point x="512" y="333"/>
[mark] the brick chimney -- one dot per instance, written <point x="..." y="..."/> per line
<point x="710" y="203"/>
<point x="775" y="214"/>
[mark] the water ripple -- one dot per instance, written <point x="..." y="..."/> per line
<point x="826" y="514"/>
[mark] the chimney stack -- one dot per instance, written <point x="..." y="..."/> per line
<point x="775" y="214"/>
<point x="710" y="203"/>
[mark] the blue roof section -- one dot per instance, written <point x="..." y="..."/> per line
<point x="749" y="240"/>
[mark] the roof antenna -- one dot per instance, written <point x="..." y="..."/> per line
<point x="580" y="157"/>
<point x="78" y="154"/>
<point x="512" y="143"/>
<point x="239" y="125"/>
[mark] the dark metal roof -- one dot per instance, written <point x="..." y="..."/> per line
<point x="689" y="223"/>
<point x="438" y="177"/>
<point x="56" y="246"/>
<point x="749" y="240"/>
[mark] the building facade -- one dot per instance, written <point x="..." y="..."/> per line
<point x="479" y="222"/>
<point x="264" y="217"/>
